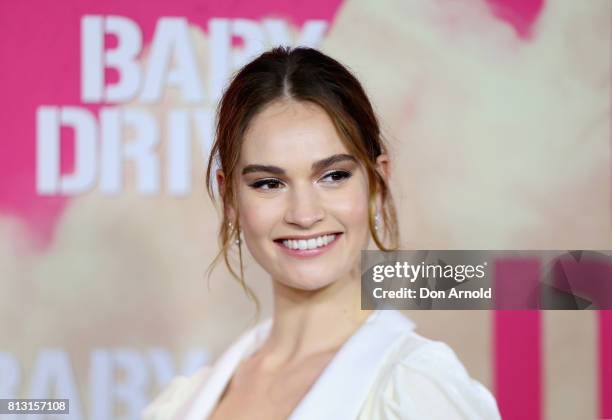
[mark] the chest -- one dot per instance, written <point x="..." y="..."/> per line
<point x="254" y="395"/>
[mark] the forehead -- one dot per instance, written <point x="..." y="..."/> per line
<point x="288" y="133"/>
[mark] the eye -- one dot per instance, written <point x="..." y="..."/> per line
<point x="266" y="184"/>
<point x="337" y="176"/>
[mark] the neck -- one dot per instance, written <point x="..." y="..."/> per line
<point x="313" y="322"/>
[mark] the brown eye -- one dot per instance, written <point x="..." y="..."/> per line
<point x="337" y="176"/>
<point x="266" y="184"/>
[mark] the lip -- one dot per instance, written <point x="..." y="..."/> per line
<point x="308" y="253"/>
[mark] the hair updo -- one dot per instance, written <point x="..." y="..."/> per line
<point x="300" y="74"/>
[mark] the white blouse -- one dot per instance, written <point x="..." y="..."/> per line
<point x="384" y="371"/>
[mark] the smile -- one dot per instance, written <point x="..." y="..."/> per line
<point x="311" y="243"/>
<point x="311" y="247"/>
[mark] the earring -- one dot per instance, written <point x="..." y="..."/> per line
<point x="237" y="241"/>
<point x="377" y="221"/>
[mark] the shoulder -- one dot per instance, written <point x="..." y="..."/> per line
<point x="422" y="378"/>
<point x="175" y="396"/>
<point x="180" y="393"/>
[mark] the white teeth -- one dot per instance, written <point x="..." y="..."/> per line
<point x="311" y="243"/>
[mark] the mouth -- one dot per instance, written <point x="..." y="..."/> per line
<point x="310" y="246"/>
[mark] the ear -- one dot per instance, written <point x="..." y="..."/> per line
<point x="383" y="167"/>
<point x="230" y="214"/>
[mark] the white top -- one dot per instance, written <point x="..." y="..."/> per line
<point x="384" y="371"/>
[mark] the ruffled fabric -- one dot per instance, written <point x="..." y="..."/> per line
<point x="428" y="381"/>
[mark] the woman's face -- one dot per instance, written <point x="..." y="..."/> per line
<point x="303" y="199"/>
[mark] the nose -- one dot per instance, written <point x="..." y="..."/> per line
<point x="305" y="208"/>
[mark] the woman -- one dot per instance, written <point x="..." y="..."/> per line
<point x="303" y="175"/>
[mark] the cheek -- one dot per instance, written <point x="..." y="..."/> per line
<point x="352" y="208"/>
<point x="256" y="216"/>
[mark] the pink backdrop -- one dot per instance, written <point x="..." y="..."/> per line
<point x="498" y="112"/>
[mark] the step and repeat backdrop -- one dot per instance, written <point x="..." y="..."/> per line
<point x="497" y="113"/>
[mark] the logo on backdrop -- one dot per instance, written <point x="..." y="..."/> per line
<point x="106" y="136"/>
<point x="52" y="376"/>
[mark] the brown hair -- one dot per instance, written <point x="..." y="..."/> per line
<point x="300" y="74"/>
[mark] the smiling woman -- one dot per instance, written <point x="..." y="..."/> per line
<point x="303" y="176"/>
<point x="300" y="185"/>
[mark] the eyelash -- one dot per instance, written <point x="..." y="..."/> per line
<point x="266" y="182"/>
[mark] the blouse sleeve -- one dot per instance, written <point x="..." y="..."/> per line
<point x="431" y="383"/>
<point x="174" y="397"/>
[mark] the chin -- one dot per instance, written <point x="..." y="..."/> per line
<point x="308" y="286"/>
<point x="310" y="281"/>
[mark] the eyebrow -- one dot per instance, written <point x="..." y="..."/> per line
<point x="316" y="166"/>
